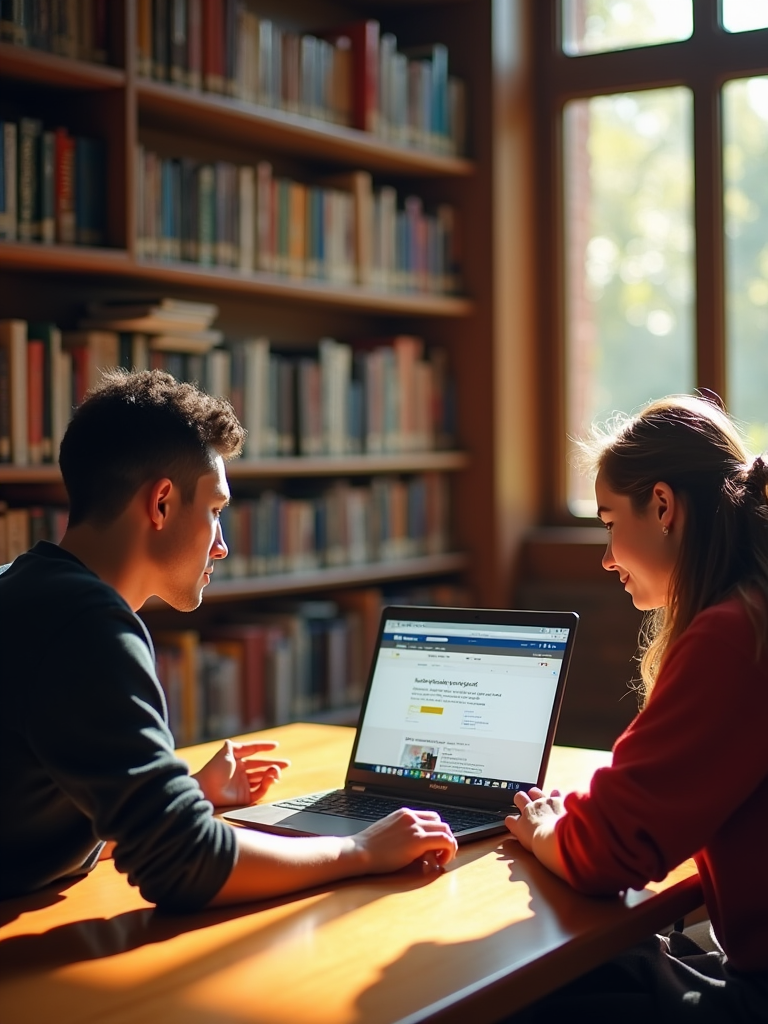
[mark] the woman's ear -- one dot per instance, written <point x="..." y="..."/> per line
<point x="666" y="506"/>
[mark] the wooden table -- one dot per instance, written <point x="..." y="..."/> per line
<point x="492" y="933"/>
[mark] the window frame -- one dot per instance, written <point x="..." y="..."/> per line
<point x="703" y="63"/>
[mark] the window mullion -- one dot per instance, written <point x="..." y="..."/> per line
<point x="708" y="216"/>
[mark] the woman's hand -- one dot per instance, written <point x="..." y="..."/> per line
<point x="403" y="837"/>
<point x="234" y="776"/>
<point x="538" y="814"/>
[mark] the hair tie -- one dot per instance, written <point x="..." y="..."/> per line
<point x="757" y="478"/>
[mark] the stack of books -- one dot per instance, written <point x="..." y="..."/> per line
<point x="52" y="185"/>
<point x="338" y="229"/>
<point x="352" y="74"/>
<point x="164" y="334"/>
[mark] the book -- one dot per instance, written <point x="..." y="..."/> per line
<point x="90" y="190"/>
<point x="253" y="640"/>
<point x="92" y="352"/>
<point x="363" y="39"/>
<point x="55" y="411"/>
<point x="29" y="133"/>
<point x="179" y="341"/>
<point x="220" y="669"/>
<point x="35" y="399"/>
<point x="360" y="185"/>
<point x="259" y="440"/>
<point x="246" y="219"/>
<point x="47" y="187"/>
<point x="213" y="46"/>
<point x="160" y="18"/>
<point x="177" y="42"/>
<point x="195" y="44"/>
<point x="65" y="221"/>
<point x="144" y="38"/>
<point x="182" y="313"/>
<point x="13" y="341"/>
<point x="185" y="645"/>
<point x="9" y="215"/>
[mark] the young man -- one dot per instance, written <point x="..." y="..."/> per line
<point x="86" y="756"/>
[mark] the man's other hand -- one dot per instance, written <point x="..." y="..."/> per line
<point x="234" y="776"/>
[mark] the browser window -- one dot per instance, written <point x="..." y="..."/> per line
<point x="461" y="703"/>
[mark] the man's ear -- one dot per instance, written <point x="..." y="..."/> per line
<point x="157" y="502"/>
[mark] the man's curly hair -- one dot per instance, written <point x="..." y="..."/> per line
<point x="138" y="426"/>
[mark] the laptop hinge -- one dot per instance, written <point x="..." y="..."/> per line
<point x="357" y="789"/>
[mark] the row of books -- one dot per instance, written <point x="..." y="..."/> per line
<point x="22" y="528"/>
<point x="329" y="525"/>
<point x="389" y="395"/>
<point x="340" y="229"/>
<point x="341" y="523"/>
<point x="52" y="184"/>
<point x="352" y="74"/>
<point x="385" y="395"/>
<point x="296" y="660"/>
<point x="71" y="28"/>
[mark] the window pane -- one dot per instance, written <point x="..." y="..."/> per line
<point x="745" y="15"/>
<point x="594" y="26"/>
<point x="629" y="271"/>
<point x="745" y="159"/>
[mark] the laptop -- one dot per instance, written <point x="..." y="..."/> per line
<point x="459" y="715"/>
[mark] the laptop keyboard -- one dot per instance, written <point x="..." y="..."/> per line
<point x="371" y="808"/>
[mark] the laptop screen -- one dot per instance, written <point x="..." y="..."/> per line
<point x="467" y="703"/>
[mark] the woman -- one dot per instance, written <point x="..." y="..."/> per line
<point x="686" y="512"/>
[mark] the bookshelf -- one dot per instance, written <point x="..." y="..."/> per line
<point x="493" y="495"/>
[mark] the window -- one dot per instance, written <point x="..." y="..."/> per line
<point x="653" y="142"/>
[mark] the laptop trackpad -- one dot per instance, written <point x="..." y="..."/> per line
<point x="287" y="822"/>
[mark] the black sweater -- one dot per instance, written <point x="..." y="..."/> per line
<point x="85" y="750"/>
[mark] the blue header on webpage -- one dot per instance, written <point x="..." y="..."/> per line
<point x="470" y="641"/>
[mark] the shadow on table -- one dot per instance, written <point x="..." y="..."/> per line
<point x="555" y="916"/>
<point x="96" y="938"/>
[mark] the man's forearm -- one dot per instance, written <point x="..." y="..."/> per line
<point x="270" y="865"/>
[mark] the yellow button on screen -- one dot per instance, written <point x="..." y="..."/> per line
<point x="431" y="711"/>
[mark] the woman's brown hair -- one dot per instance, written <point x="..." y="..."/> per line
<point x="691" y="444"/>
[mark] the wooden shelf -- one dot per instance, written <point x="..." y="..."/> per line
<point x="248" y="124"/>
<point x="21" y="62"/>
<point x="304" y="290"/>
<point x="328" y="579"/>
<point x="347" y="465"/>
<point x="65" y="259"/>
<point x="286" y="467"/>
<point x="74" y="259"/>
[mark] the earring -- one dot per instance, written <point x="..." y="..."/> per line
<point x="665" y="530"/>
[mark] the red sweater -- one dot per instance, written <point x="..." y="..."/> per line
<point x="689" y="778"/>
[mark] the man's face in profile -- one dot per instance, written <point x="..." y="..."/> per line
<point x="194" y="541"/>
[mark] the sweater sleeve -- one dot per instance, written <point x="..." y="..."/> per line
<point x="679" y="772"/>
<point x="115" y="759"/>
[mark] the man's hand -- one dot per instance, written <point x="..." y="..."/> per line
<point x="538" y="814"/>
<point x="234" y="776"/>
<point x="403" y="837"/>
